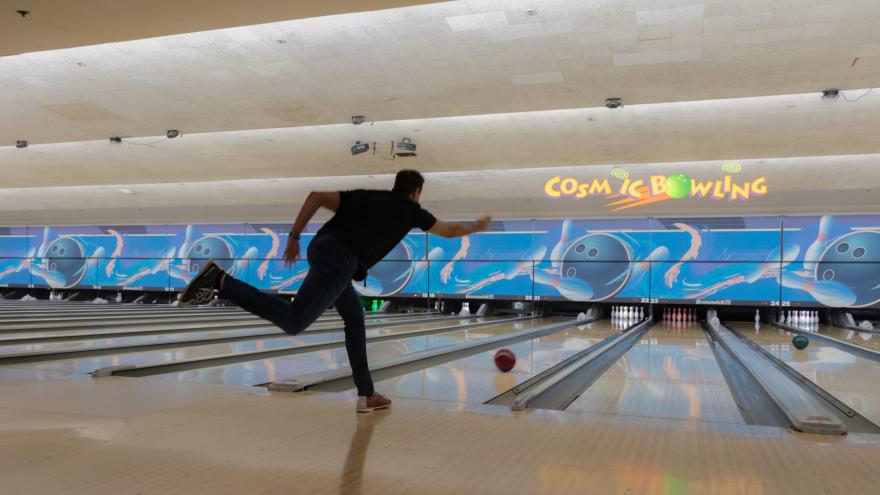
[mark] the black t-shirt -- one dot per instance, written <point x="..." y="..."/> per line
<point x="370" y="223"/>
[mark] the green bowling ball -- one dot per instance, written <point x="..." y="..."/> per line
<point x="800" y="342"/>
<point x="679" y="186"/>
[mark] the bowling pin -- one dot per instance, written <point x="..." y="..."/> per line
<point x="757" y="316"/>
<point x="794" y="319"/>
<point x="641" y="313"/>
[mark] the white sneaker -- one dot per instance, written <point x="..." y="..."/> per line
<point x="373" y="402"/>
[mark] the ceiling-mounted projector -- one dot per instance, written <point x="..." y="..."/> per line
<point x="405" y="147"/>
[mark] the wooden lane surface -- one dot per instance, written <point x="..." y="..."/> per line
<point x="126" y="436"/>
<point x="852" y="379"/>
<point x="670" y="373"/>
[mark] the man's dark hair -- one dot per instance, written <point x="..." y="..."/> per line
<point x="408" y="181"/>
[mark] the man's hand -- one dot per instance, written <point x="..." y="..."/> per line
<point x="482" y="223"/>
<point x="452" y="229"/>
<point x="291" y="251"/>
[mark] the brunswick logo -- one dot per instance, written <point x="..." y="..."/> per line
<point x="630" y="193"/>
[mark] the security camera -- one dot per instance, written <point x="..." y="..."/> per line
<point x="359" y="148"/>
<point x="405" y="147"/>
<point x="21" y="143"/>
<point x="613" y="102"/>
<point x="172" y="133"/>
<point x="116" y="140"/>
<point x="358" y="119"/>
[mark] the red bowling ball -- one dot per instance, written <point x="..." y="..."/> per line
<point x="505" y="359"/>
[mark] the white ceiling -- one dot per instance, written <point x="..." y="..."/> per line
<point x="55" y="24"/>
<point x="445" y="59"/>
<point x="759" y="127"/>
<point x="480" y="85"/>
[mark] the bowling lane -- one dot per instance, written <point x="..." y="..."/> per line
<point x="850" y="378"/>
<point x="475" y="379"/>
<point x="82" y="366"/>
<point x="867" y="340"/>
<point x="175" y="327"/>
<point x="670" y="373"/>
<point x="268" y="370"/>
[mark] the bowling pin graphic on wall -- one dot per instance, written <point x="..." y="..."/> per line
<point x="814" y="252"/>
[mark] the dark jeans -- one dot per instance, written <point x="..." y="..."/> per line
<point x="331" y="266"/>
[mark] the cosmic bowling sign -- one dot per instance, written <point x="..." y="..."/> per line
<point x="627" y="192"/>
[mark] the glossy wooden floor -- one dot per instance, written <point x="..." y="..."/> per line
<point x="131" y="435"/>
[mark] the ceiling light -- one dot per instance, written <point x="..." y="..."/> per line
<point x="125" y="190"/>
<point x="614" y="102"/>
<point x="405" y="147"/>
<point x="21" y="143"/>
<point x="172" y="133"/>
<point x="359" y="148"/>
<point x="358" y="119"/>
<point x="830" y="95"/>
<point x="531" y="12"/>
<point x="23" y="13"/>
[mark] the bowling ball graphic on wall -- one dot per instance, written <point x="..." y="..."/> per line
<point x="847" y="260"/>
<point x="210" y="247"/>
<point x="390" y="275"/>
<point x="601" y="260"/>
<point x="66" y="256"/>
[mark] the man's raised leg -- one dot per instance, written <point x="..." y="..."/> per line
<point x="320" y="288"/>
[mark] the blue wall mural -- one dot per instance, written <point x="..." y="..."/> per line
<point x="788" y="261"/>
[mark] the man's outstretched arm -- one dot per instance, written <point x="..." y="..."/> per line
<point x="454" y="229"/>
<point x="314" y="201"/>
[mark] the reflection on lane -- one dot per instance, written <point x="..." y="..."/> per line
<point x="88" y="364"/>
<point x="867" y="340"/>
<point x="475" y="379"/>
<point x="851" y="379"/>
<point x="256" y="326"/>
<point x="670" y="373"/>
<point x="269" y="370"/>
